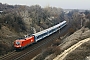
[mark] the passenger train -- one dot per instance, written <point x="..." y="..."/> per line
<point x="22" y="43"/>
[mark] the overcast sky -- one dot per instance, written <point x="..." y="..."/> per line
<point x="65" y="4"/>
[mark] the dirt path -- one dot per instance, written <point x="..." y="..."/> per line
<point x="69" y="50"/>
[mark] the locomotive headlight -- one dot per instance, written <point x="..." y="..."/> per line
<point x="18" y="43"/>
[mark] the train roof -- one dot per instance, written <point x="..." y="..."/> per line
<point x="62" y="22"/>
<point x="39" y="33"/>
<point x="44" y="31"/>
<point x="56" y="25"/>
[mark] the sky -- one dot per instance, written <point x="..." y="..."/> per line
<point x="65" y="4"/>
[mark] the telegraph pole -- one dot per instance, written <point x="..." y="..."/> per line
<point x="81" y="22"/>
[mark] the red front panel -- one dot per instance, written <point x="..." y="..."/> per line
<point x="17" y="45"/>
<point x="28" y="41"/>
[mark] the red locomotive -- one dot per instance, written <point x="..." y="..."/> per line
<point x="22" y="43"/>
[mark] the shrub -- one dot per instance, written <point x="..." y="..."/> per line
<point x="88" y="24"/>
<point x="45" y="53"/>
<point x="56" y="43"/>
<point x="3" y="48"/>
<point x="0" y="26"/>
<point x="13" y="22"/>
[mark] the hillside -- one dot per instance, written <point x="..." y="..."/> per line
<point x="80" y="24"/>
<point x="66" y="46"/>
<point x="19" y="20"/>
<point x="79" y="48"/>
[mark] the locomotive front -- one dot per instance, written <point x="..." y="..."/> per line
<point x="18" y="44"/>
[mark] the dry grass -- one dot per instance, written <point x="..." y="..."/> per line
<point x="4" y="48"/>
<point x="80" y="53"/>
<point x="50" y="50"/>
<point x="45" y="53"/>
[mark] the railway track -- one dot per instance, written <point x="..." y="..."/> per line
<point x="8" y="55"/>
<point x="27" y="53"/>
<point x="19" y="55"/>
<point x="34" y="49"/>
